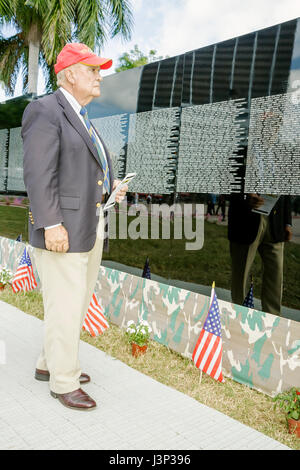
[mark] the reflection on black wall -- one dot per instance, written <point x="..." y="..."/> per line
<point x="164" y="83"/>
<point x="11" y="111"/>
<point x="283" y="57"/>
<point x="242" y="65"/>
<point x="252" y="65"/>
<point x="119" y="94"/>
<point x="147" y="87"/>
<point x="201" y="75"/>
<point x="223" y="64"/>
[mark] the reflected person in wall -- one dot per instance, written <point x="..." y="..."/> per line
<point x="249" y="233"/>
<point x="211" y="202"/>
<point x="222" y="206"/>
<point x="67" y="170"/>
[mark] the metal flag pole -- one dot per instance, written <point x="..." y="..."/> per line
<point x="200" y="377"/>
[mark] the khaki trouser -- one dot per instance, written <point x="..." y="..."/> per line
<point x="68" y="282"/>
<point x="271" y="253"/>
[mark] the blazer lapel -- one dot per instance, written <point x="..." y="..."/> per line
<point x="76" y="123"/>
<point x="107" y="156"/>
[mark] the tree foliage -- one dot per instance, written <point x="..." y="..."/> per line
<point x="49" y="25"/>
<point x="136" y="58"/>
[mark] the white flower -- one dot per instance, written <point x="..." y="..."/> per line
<point x="144" y="323"/>
<point x="130" y="322"/>
<point x="143" y="331"/>
<point x="130" y="330"/>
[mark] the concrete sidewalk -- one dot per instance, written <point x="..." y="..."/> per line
<point x="134" y="412"/>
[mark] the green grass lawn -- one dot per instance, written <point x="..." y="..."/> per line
<point x="169" y="259"/>
<point x="13" y="221"/>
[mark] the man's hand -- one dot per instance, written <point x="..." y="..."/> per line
<point x="255" y="201"/>
<point x="57" y="239"/>
<point x="121" y="194"/>
<point x="288" y="233"/>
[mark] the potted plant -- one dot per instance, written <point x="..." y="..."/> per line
<point x="138" y="335"/>
<point x="5" y="277"/>
<point x="289" y="401"/>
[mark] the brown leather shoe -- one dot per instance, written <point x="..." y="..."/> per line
<point x="78" y="400"/>
<point x="44" y="375"/>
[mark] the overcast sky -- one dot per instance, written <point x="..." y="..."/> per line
<point x="173" y="27"/>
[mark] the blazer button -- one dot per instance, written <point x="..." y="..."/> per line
<point x="100" y="183"/>
<point x="98" y="204"/>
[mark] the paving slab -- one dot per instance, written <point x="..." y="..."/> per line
<point x="134" y="411"/>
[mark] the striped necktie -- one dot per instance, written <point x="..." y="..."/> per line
<point x="95" y="141"/>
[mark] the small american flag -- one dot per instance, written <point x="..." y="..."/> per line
<point x="95" y="322"/>
<point x="249" y="301"/>
<point x="146" y="272"/>
<point x="24" y="278"/>
<point x="207" y="354"/>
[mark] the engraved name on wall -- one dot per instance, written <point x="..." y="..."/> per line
<point x="211" y="137"/>
<point x="15" y="180"/>
<point x="3" y="168"/>
<point x="152" y="150"/>
<point x="273" y="157"/>
<point x="113" y="131"/>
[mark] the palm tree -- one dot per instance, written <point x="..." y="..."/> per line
<point x="43" y="27"/>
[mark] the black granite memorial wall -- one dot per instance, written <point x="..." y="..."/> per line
<point x="210" y="123"/>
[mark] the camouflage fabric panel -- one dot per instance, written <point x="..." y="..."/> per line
<point x="260" y="350"/>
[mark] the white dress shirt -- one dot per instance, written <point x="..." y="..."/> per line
<point x="77" y="107"/>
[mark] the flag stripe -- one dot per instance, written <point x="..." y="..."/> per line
<point x="217" y="373"/>
<point x="197" y="350"/>
<point x="90" y="329"/>
<point x="201" y="342"/>
<point x="95" y="310"/>
<point x="93" y="331"/>
<point x="98" y="320"/>
<point x="211" y="340"/>
<point x="95" y="322"/>
<point x="204" y="344"/>
<point x="93" y="327"/>
<point x="214" y="360"/>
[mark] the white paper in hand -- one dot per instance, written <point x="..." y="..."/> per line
<point x="268" y="204"/>
<point x="112" y="198"/>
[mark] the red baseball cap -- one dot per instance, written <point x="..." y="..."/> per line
<point x="75" y="52"/>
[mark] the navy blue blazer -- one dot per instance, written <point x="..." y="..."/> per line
<point x="63" y="175"/>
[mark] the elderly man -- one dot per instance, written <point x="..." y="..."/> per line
<point x="67" y="171"/>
